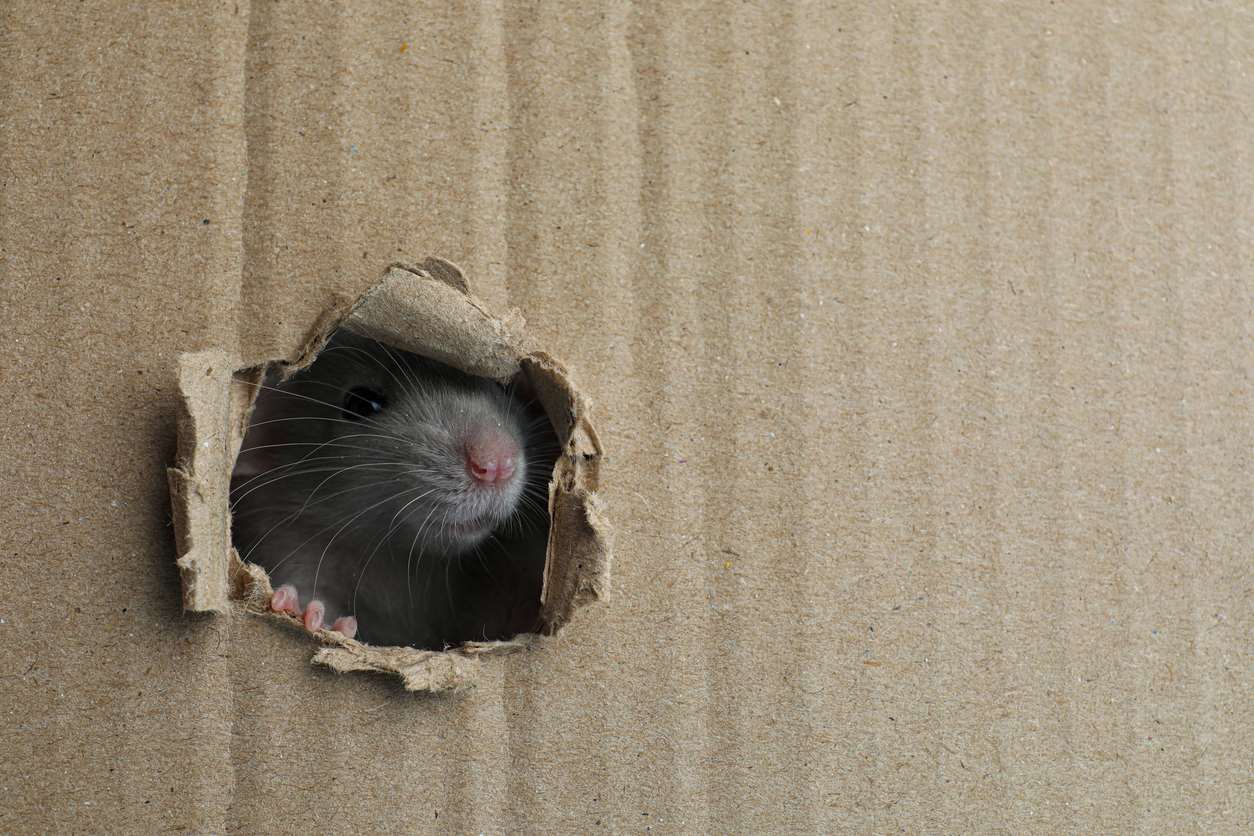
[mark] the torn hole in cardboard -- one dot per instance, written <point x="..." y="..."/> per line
<point x="427" y="310"/>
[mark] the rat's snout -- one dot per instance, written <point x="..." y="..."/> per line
<point x="490" y="457"/>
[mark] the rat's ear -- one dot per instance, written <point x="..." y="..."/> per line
<point x="248" y="465"/>
<point x="258" y="452"/>
<point x="252" y="460"/>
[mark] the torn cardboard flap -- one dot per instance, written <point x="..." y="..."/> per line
<point x="208" y="440"/>
<point x="427" y="310"/>
<point x="419" y="670"/>
<point x="572" y="577"/>
<point x="435" y="316"/>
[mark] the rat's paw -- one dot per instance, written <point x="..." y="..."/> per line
<point x="316" y="615"/>
<point x="315" y="611"/>
<point x="346" y="624"/>
<point x="286" y="600"/>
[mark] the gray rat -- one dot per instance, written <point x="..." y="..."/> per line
<point x="395" y="498"/>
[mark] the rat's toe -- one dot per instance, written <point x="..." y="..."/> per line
<point x="285" y="599"/>
<point x="314" y="614"/>
<point x="346" y="624"/>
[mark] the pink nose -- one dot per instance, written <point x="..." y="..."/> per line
<point x="490" y="458"/>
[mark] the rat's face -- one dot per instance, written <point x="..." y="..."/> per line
<point x="461" y="444"/>
<point x="424" y="457"/>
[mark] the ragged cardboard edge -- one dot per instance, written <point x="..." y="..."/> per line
<point x="419" y="670"/>
<point x="577" y="565"/>
<point x="435" y="316"/>
<point x="200" y="476"/>
<point x="426" y="309"/>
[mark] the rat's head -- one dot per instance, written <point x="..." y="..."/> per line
<point x="426" y="456"/>
<point x="462" y="441"/>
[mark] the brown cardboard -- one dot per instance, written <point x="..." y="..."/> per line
<point x="426" y="310"/>
<point x="919" y="337"/>
<point x="209" y="438"/>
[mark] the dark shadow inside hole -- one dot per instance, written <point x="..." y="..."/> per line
<point x="406" y="498"/>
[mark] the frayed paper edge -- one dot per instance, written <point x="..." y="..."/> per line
<point x="447" y="671"/>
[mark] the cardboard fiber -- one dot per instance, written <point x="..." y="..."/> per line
<point x="426" y="310"/>
<point x="919" y="338"/>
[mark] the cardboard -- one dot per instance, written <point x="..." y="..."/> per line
<point x="426" y="310"/>
<point x="919" y="339"/>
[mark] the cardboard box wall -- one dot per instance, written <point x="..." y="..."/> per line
<point x="920" y="342"/>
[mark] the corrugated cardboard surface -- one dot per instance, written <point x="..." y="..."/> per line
<point x="920" y="341"/>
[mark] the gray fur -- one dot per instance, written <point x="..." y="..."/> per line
<point x="376" y="516"/>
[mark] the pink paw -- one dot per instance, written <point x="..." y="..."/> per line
<point x="314" y="613"/>
<point x="285" y="599"/>
<point x="346" y="624"/>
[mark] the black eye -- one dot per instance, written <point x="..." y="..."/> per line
<point x="362" y="402"/>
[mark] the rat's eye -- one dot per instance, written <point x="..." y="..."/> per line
<point x="362" y="402"/>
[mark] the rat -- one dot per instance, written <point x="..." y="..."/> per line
<point x="394" y="498"/>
